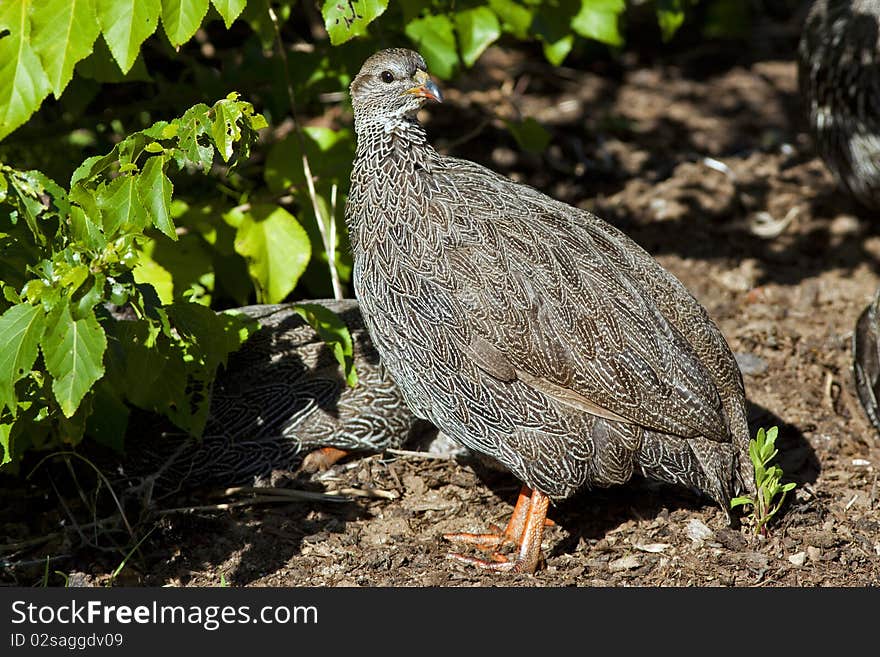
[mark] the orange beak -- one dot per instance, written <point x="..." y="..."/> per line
<point x="425" y="88"/>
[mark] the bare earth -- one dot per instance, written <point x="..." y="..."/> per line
<point x="702" y="159"/>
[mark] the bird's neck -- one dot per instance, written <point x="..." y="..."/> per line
<point x="397" y="138"/>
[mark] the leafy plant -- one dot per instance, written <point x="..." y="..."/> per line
<point x="82" y="334"/>
<point x="770" y="493"/>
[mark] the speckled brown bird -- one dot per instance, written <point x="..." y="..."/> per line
<point x="528" y="330"/>
<point x="839" y="80"/>
<point x="280" y="403"/>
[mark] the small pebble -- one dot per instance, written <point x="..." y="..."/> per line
<point x="624" y="563"/>
<point x="750" y="364"/>
<point x="698" y="531"/>
<point x="798" y="559"/>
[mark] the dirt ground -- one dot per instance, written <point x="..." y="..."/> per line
<point x="701" y="157"/>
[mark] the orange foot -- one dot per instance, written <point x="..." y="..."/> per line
<point x="525" y="529"/>
<point x="322" y="459"/>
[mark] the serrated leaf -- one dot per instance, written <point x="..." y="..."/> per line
<point x="277" y="250"/>
<point x="597" y="20"/>
<point x="477" y="29"/>
<point x="63" y="33"/>
<point x="102" y="67"/>
<point x="334" y="332"/>
<point x="21" y="327"/>
<point x="345" y="19"/>
<point x="121" y="206"/>
<point x="125" y="25"/>
<point x="193" y="124"/>
<point x="435" y="40"/>
<point x="23" y="82"/>
<point x="73" y="351"/>
<point x="155" y="189"/>
<point x="224" y="128"/>
<point x="229" y="9"/>
<point x="181" y="19"/>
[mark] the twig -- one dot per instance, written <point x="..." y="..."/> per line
<point x="365" y="492"/>
<point x="419" y="455"/>
<point x="284" y="494"/>
<point x="327" y="237"/>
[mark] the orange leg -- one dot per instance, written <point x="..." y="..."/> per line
<point x="496" y="538"/>
<point x="322" y="459"/>
<point x="529" y="554"/>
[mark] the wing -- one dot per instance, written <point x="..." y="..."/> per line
<point x="553" y="296"/>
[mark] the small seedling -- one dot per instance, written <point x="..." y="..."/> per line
<point x="762" y="450"/>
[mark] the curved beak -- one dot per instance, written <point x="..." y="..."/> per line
<point x="425" y="88"/>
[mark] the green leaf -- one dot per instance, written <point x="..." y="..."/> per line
<point x="155" y="189"/>
<point x="224" y="128"/>
<point x="102" y="67"/>
<point x="597" y="20"/>
<point x="64" y="32"/>
<point x="23" y="82"/>
<point x="229" y="9"/>
<point x="276" y="247"/>
<point x="739" y="501"/>
<point x="193" y="124"/>
<point x="670" y="16"/>
<point x="5" y="429"/>
<point x="529" y="134"/>
<point x="435" y="39"/>
<point x="515" y="18"/>
<point x="215" y="335"/>
<point x="334" y="332"/>
<point x="125" y="25"/>
<point x="177" y="269"/>
<point x="21" y="327"/>
<point x="477" y="30"/>
<point x="346" y="19"/>
<point x="73" y="351"/>
<point x="181" y="19"/>
<point x="552" y="25"/>
<point x="121" y="206"/>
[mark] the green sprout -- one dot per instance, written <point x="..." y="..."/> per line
<point x="762" y="450"/>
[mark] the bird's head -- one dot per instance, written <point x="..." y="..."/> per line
<point x="391" y="86"/>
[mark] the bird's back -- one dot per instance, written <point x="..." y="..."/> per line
<point x="540" y="335"/>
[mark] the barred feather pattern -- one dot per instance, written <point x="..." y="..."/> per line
<point x="839" y="80"/>
<point x="866" y="359"/>
<point x="283" y="393"/>
<point x="528" y="330"/>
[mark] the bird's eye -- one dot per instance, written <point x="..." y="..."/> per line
<point x="387" y="76"/>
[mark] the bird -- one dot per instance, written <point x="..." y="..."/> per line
<point x="280" y="403"/>
<point x="839" y="86"/>
<point x="530" y="331"/>
<point x="866" y="359"/>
